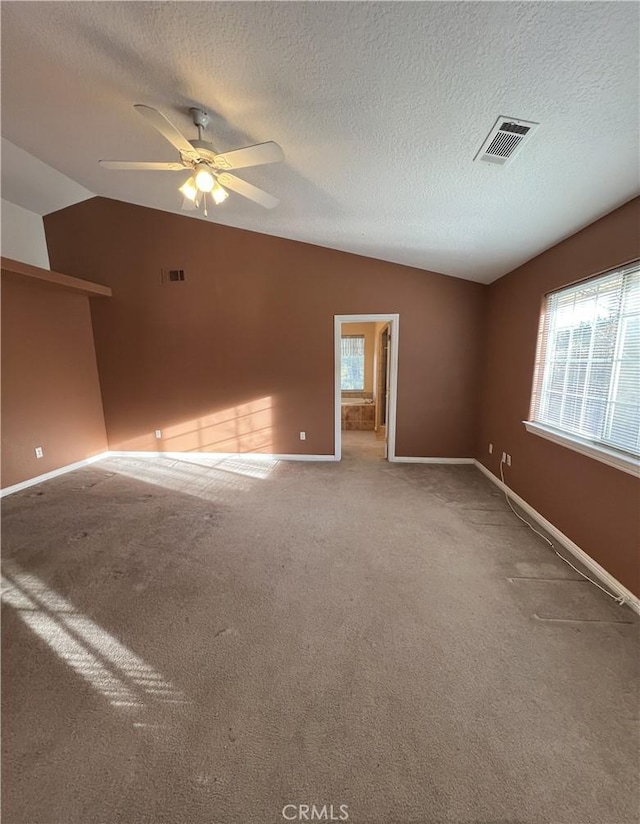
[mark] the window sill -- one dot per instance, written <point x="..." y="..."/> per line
<point x="599" y="453"/>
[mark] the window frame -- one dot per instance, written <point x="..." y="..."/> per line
<point x="601" y="451"/>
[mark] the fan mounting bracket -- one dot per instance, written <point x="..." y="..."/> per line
<point x="200" y="118"/>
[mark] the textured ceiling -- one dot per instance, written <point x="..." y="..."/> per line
<point x="379" y="107"/>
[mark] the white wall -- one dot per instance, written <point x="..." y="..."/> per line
<point x="23" y="236"/>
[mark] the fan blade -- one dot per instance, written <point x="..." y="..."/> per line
<point x="256" y="155"/>
<point x="245" y="189"/>
<point x="167" y="130"/>
<point x="142" y="166"/>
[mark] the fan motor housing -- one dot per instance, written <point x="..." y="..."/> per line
<point x="205" y="149"/>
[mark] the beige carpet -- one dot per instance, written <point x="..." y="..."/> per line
<point x="193" y="644"/>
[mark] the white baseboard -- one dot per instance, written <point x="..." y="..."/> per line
<point x="586" y="560"/>
<point x="47" y="476"/>
<point x="402" y="459"/>
<point x="216" y="457"/>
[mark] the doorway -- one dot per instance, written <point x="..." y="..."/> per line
<point x="380" y="403"/>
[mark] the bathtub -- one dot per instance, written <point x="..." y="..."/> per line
<point x="358" y="413"/>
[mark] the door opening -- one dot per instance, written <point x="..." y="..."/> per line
<point x="366" y="376"/>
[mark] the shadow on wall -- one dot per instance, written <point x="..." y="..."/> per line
<point x="260" y="426"/>
<point x="247" y="427"/>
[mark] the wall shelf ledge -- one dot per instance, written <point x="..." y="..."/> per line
<point x="46" y="277"/>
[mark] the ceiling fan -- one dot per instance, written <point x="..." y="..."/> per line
<point x="209" y="175"/>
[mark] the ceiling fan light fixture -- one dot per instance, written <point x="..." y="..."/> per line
<point x="219" y="194"/>
<point x="189" y="189"/>
<point x="205" y="166"/>
<point x="205" y="181"/>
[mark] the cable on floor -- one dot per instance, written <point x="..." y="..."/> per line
<point x="619" y="599"/>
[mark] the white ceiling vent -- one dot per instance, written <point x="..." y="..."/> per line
<point x="505" y="140"/>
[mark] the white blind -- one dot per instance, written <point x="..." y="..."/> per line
<point x="587" y="372"/>
<point x="352" y="366"/>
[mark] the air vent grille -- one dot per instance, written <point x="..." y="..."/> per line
<point x="514" y="127"/>
<point x="505" y="140"/>
<point x="172" y="275"/>
<point x="503" y="145"/>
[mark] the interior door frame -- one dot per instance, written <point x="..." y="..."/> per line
<point x="394" y="327"/>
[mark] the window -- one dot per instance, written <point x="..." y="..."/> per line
<point x="587" y="372"/>
<point x="352" y="363"/>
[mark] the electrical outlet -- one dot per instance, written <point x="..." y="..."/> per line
<point x="39" y="452"/>
<point x="303" y="436"/>
<point x="508" y="460"/>
<point x="158" y="433"/>
<point x="490" y="449"/>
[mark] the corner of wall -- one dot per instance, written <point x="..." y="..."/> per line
<point x="22" y="237"/>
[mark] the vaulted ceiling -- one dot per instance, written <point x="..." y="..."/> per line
<point x="380" y="109"/>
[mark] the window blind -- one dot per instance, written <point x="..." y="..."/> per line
<point x="352" y="364"/>
<point x="587" y="371"/>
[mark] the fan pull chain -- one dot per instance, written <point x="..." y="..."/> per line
<point x="204" y="201"/>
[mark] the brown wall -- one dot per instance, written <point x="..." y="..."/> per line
<point x="50" y="389"/>
<point x="239" y="357"/>
<point x="597" y="506"/>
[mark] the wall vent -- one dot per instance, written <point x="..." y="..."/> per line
<point x="172" y="275"/>
<point x="505" y="140"/>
